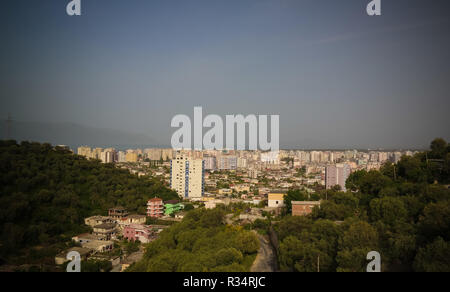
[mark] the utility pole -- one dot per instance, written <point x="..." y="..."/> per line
<point x="318" y="263"/>
<point x="9" y="122"/>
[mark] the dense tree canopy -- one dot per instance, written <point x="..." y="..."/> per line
<point x="201" y="243"/>
<point x="401" y="211"/>
<point x="46" y="192"/>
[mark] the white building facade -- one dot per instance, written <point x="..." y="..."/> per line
<point x="188" y="177"/>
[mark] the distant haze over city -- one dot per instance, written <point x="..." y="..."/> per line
<point x="74" y="135"/>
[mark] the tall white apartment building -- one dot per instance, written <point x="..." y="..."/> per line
<point x="188" y="176"/>
<point x="315" y="156"/>
<point x="226" y="162"/>
<point x="84" y="151"/>
<point x="108" y="156"/>
<point x="121" y="157"/>
<point x="242" y="162"/>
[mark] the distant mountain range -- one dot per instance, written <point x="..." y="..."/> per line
<point x="75" y="135"/>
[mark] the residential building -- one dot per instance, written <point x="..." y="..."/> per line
<point x="97" y="220"/>
<point x="173" y="208"/>
<point x="227" y="162"/>
<point x="117" y="213"/>
<point x="131" y="156"/>
<point x="134" y="219"/>
<point x="121" y="157"/>
<point x="225" y="192"/>
<point x="100" y="246"/>
<point x="253" y="173"/>
<point x="188" y="177"/>
<point x="210" y="162"/>
<point x="105" y="231"/>
<point x="85" y="238"/>
<point x="337" y="175"/>
<point x="242" y="162"/>
<point x="155" y="208"/>
<point x="139" y="232"/>
<point x="84" y="151"/>
<point x="276" y="200"/>
<point x="303" y="208"/>
<point x="61" y="258"/>
<point x="210" y="204"/>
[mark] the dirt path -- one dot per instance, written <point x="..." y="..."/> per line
<point x="265" y="260"/>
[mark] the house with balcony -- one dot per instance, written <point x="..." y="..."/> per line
<point x="134" y="219"/>
<point x="118" y="213"/>
<point x="106" y="231"/>
<point x="140" y="232"/>
<point x="155" y="208"/>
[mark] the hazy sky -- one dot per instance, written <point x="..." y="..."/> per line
<point x="337" y="77"/>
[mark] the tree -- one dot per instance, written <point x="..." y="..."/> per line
<point x="436" y="220"/>
<point x="292" y="225"/>
<point x="388" y="210"/>
<point x="228" y="256"/>
<point x="435" y="257"/>
<point x="439" y="148"/>
<point x="188" y="207"/>
<point x="294" y="195"/>
<point x="247" y="242"/>
<point x="358" y="239"/>
<point x="411" y="169"/>
<point x="193" y="246"/>
<point x="354" y="181"/>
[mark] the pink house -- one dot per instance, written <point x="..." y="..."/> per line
<point x="139" y="232"/>
<point x="155" y="208"/>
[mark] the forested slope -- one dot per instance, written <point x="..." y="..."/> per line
<point x="46" y="192"/>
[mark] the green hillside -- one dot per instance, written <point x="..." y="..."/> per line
<point x="46" y="192"/>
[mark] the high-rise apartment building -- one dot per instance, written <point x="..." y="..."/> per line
<point x="226" y="162"/>
<point x="315" y="156"/>
<point x="84" y="151"/>
<point x="121" y="157"/>
<point x="242" y="162"/>
<point x="337" y="175"/>
<point x="188" y="176"/>
<point x="210" y="162"/>
<point x="131" y="156"/>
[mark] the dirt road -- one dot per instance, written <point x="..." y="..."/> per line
<point x="265" y="260"/>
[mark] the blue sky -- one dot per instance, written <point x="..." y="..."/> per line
<point x="337" y="77"/>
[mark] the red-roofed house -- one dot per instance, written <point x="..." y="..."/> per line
<point x="155" y="208"/>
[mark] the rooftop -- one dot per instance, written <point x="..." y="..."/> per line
<point x="82" y="251"/>
<point x="305" y="202"/>
<point x="95" y="244"/>
<point x="155" y="200"/>
<point x="135" y="216"/>
<point x="105" y="226"/>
